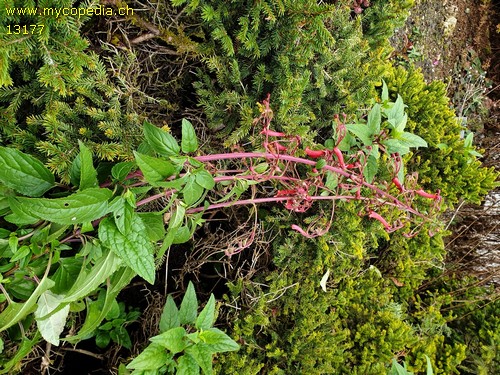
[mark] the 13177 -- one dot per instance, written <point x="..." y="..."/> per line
<point x="24" y="29"/>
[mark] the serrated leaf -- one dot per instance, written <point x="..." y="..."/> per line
<point x="412" y="140"/>
<point x="218" y="341"/>
<point x="189" y="143"/>
<point x="174" y="339"/>
<point x="203" y="356"/>
<point x="155" y="229"/>
<point x="204" y="179"/>
<point x="134" y="249"/>
<point x="170" y="316"/>
<point x="370" y="169"/>
<point x="192" y="191"/>
<point x="154" y="169"/>
<point x="21" y="214"/>
<point x="123" y="213"/>
<point x="121" y="170"/>
<point x="66" y="274"/>
<point x="24" y="173"/>
<point x="88" y="174"/>
<point x="207" y="316"/>
<point x="16" y="312"/>
<point x="374" y="119"/>
<point x="52" y="326"/>
<point x="162" y="142"/>
<point x="87" y="205"/>
<point x="187" y="366"/>
<point x="362" y="131"/>
<point x="189" y="306"/>
<point x="151" y="358"/>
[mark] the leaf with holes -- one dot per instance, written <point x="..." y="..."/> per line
<point x="87" y="205"/>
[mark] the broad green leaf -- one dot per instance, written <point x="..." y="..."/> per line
<point x="24" y="173"/>
<point x="96" y="312"/>
<point x="182" y="235"/>
<point x="207" y="316"/>
<point x="88" y="174"/>
<point x="170" y="316"/>
<point x="21" y="214"/>
<point x="204" y="179"/>
<point x="52" y="326"/>
<point x="396" y="113"/>
<point x="102" y="339"/>
<point x="87" y="205"/>
<point x="468" y="140"/>
<point x="123" y="213"/>
<point x="362" y="131"/>
<point x="161" y="141"/>
<point x="189" y="143"/>
<point x="16" y="312"/>
<point x="429" y="366"/>
<point x="154" y="169"/>
<point x="192" y="191"/>
<point x="151" y="358"/>
<point x="121" y="337"/>
<point x="175" y="339"/>
<point x="186" y="365"/>
<point x="370" y="169"/>
<point x="412" y="140"/>
<point x="218" y="341"/>
<point x="396" y="146"/>
<point x="374" y="119"/>
<point x="134" y="249"/>
<point x="189" y="306"/>
<point x="153" y="222"/>
<point x="202" y="354"/>
<point x="66" y="274"/>
<point x="121" y="170"/>
<point x="177" y="217"/>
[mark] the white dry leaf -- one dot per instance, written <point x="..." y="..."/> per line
<point x="324" y="279"/>
<point x="52" y="326"/>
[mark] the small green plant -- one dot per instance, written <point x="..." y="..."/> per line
<point x="187" y="340"/>
<point x="114" y="329"/>
<point x="397" y="369"/>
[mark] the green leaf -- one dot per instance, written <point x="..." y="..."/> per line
<point x="385" y="92"/>
<point x="16" y="312"/>
<point x="24" y="173"/>
<point x="134" y="249"/>
<point x="121" y="170"/>
<point x="123" y="214"/>
<point x="161" y="141"/>
<point x="187" y="366"/>
<point x="374" y="119"/>
<point x="219" y="342"/>
<point x="192" y="191"/>
<point x="151" y="358"/>
<point x="153" y="222"/>
<point x="370" y="169"/>
<point x="203" y="356"/>
<point x="102" y="339"/>
<point x="204" y="179"/>
<point x="182" y="235"/>
<point x="66" y="274"/>
<point x="89" y="281"/>
<point x="412" y="140"/>
<point x="189" y="143"/>
<point x="396" y="146"/>
<point x="21" y="214"/>
<point x="170" y="316"/>
<point x="88" y="174"/>
<point x="154" y="169"/>
<point x="121" y="337"/>
<point x="468" y="140"/>
<point x="174" y="339"/>
<point x="396" y="115"/>
<point x="87" y="205"/>
<point x="189" y="306"/>
<point x="24" y="348"/>
<point x="96" y="311"/>
<point x="52" y="326"/>
<point x="206" y="318"/>
<point x="362" y="131"/>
